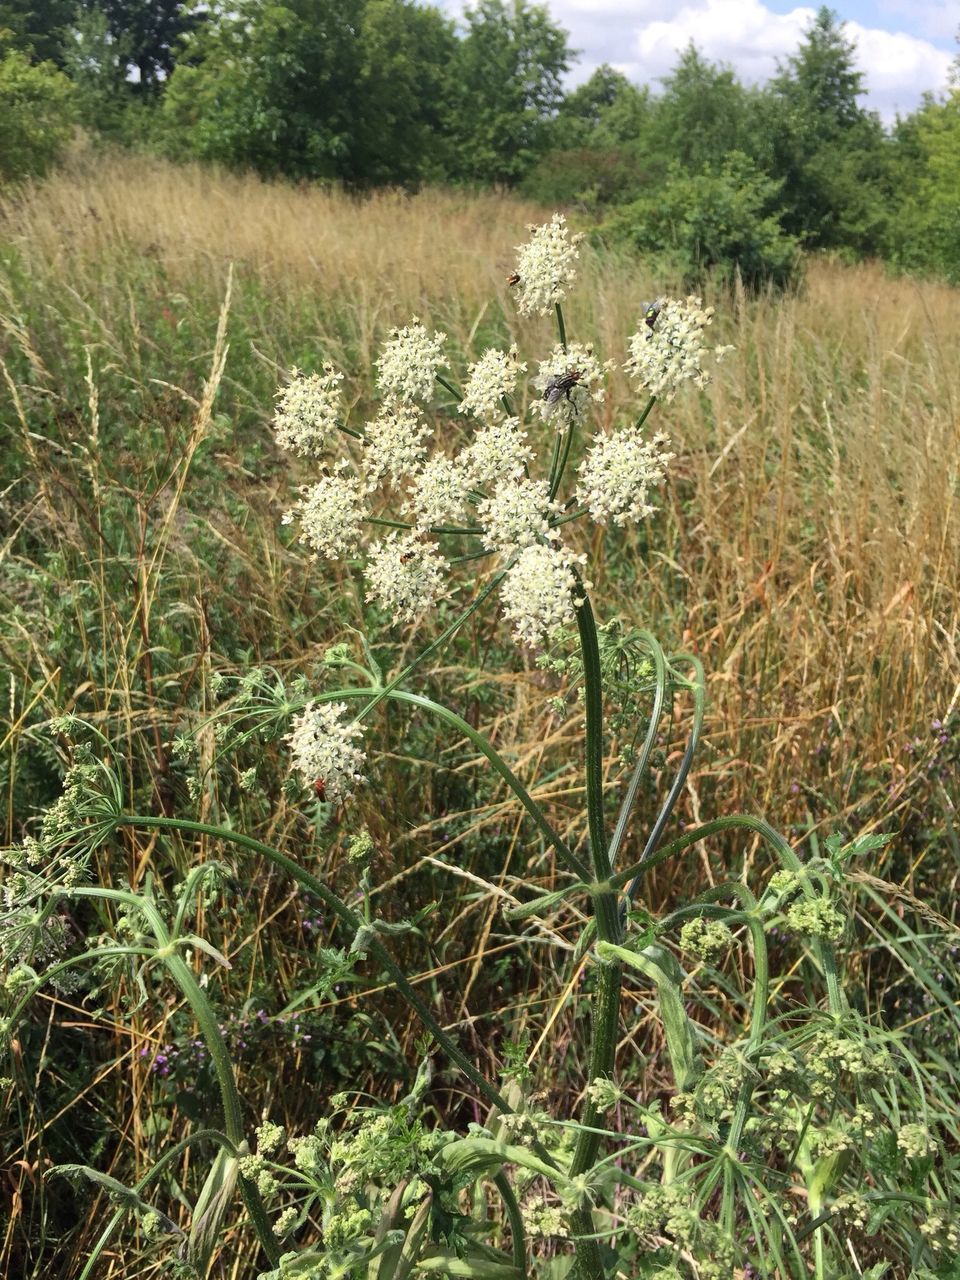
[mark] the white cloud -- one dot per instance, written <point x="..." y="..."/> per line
<point x="643" y="38"/>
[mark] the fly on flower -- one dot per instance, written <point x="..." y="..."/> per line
<point x="320" y="789"/>
<point x="558" y="385"/>
<point x="650" y="311"/>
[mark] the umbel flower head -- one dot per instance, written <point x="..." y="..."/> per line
<point x="668" y="349"/>
<point x="307" y="411"/>
<point x="489" y="381"/>
<point x="540" y="592"/>
<point x="569" y="379"/>
<point x="617" y="474"/>
<point x="409" y="361"/>
<point x="507" y="488"/>
<point x="545" y="266"/>
<point x="330" y="514"/>
<point x="323" y="745"/>
<point x="405" y="575"/>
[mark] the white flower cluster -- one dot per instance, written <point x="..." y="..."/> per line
<point x="545" y="266"/>
<point x="438" y="493"/>
<point x="516" y="515"/>
<point x="323" y="746"/>
<point x="405" y="574"/>
<point x="307" y="411"/>
<point x="409" y="361"/>
<point x="396" y="442"/>
<point x="497" y="452"/>
<point x="617" y="474"/>
<point x="330" y="514"/>
<point x="538" y="592"/>
<point x="578" y="366"/>
<point x="493" y="377"/>
<point x="670" y="351"/>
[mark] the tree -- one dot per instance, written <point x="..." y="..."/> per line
<point x="355" y="90"/>
<point x="702" y="115"/>
<point x="149" y="32"/>
<point x="607" y="111"/>
<point x="96" y="63"/>
<point x="831" y="153"/>
<point x="36" y="29"/>
<point x="508" y="73"/>
<point x="404" y="95"/>
<point x="926" y="224"/>
<point x="723" y="220"/>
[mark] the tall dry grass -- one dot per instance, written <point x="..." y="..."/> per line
<point x="808" y="547"/>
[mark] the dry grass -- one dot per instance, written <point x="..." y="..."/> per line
<point x="808" y="549"/>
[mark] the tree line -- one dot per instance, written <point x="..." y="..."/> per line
<point x="714" y="174"/>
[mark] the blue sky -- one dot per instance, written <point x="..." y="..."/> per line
<point x="904" y="47"/>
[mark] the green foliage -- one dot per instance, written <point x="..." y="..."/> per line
<point x="724" y="222"/>
<point x="270" y="87"/>
<point x="926" y="212"/>
<point x="96" y="62"/>
<point x="703" y="113"/>
<point x="36" y="29"/>
<point x="36" y="107"/>
<point x="508" y="74"/>
<point x="829" y="151"/>
<point x="367" y="91"/>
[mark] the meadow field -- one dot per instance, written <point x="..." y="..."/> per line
<point x="806" y="549"/>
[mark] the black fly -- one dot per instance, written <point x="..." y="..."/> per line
<point x="560" y="385"/>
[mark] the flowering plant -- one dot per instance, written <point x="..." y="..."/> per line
<point x="704" y="1191"/>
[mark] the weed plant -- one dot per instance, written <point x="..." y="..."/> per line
<point x="759" y="1112"/>
<point x="805" y="549"/>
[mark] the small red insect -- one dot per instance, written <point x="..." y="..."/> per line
<point x="320" y="787"/>
<point x="513" y="278"/>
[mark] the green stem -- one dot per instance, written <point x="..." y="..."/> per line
<point x="448" y="386"/>
<point x="561" y="327"/>
<point x="168" y="1157"/>
<point x="741" y="821"/>
<point x="385" y="523"/>
<point x="571" y="515"/>
<point x="629" y="800"/>
<point x="646" y="413"/>
<point x="605" y="1009"/>
<point x="517" y="1233"/>
<point x="556" y="480"/>
<point x="434" y="645"/>
<point x="568" y="857"/>
<point x="184" y="977"/>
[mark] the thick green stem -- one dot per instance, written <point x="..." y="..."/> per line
<point x="561" y="327"/>
<point x="519" y="1237"/>
<point x="605" y="1009"/>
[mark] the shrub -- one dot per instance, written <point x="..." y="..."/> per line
<point x="36" y="107"/>
<point x="721" y="221"/>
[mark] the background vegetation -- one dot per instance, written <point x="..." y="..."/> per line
<point x="806" y="549"/>
<point x="372" y="93"/>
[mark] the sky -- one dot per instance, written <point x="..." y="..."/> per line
<point x="904" y="47"/>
